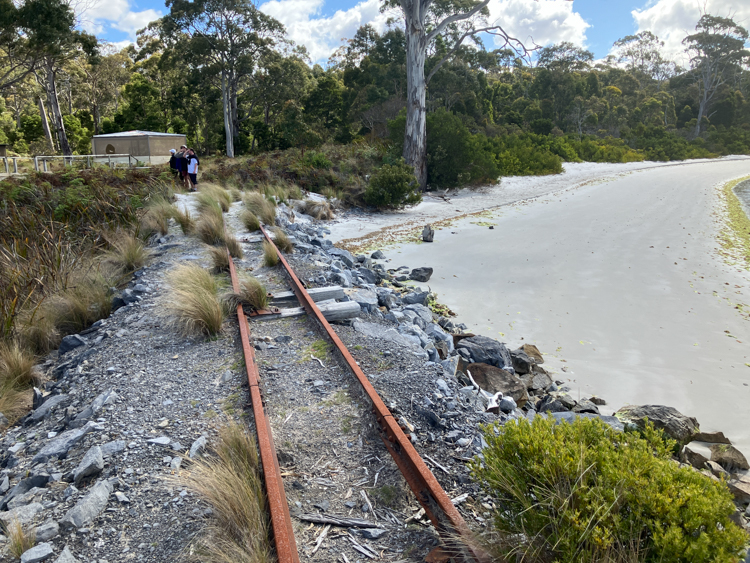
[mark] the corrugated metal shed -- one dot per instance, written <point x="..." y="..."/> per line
<point x="147" y="146"/>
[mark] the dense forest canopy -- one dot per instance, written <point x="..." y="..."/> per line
<point x="226" y="75"/>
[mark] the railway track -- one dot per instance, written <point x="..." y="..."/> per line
<point x="455" y="538"/>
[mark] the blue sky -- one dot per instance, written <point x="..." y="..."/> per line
<point x="322" y="24"/>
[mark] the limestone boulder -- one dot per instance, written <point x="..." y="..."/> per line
<point x="674" y="424"/>
<point x="729" y="457"/>
<point x="493" y="380"/>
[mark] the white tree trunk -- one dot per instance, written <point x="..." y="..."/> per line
<point x="227" y="115"/>
<point x="45" y="125"/>
<point x="54" y="106"/>
<point x="415" y="135"/>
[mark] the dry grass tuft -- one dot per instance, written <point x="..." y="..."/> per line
<point x="236" y="194"/>
<point x="270" y="257"/>
<point x="250" y="220"/>
<point x="19" y="540"/>
<point x="37" y="330"/>
<point x="184" y="220"/>
<point x="17" y="366"/>
<point x="320" y="210"/>
<point x="84" y="302"/>
<point x="210" y="226"/>
<point x="282" y="241"/>
<point x="193" y="305"/>
<point x="233" y="246"/>
<point x="230" y="482"/>
<point x="15" y="403"/>
<point x="156" y="219"/>
<point x="210" y="194"/>
<point x="220" y="258"/>
<point x="262" y="208"/>
<point x="253" y="295"/>
<point x="127" y="252"/>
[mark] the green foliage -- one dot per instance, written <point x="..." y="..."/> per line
<point x="393" y="186"/>
<point x="317" y="160"/>
<point x="584" y="492"/>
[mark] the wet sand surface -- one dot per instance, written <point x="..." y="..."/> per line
<point x="622" y="280"/>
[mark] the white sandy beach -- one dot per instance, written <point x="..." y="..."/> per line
<point x="612" y="268"/>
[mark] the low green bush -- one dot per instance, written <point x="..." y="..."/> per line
<point x="582" y="492"/>
<point x="393" y="185"/>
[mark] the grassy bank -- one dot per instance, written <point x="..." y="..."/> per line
<point x="735" y="235"/>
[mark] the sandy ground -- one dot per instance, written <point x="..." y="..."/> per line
<point x="614" y="273"/>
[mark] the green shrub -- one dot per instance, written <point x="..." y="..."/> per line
<point x="317" y="160"/>
<point x="393" y="186"/>
<point x="583" y="492"/>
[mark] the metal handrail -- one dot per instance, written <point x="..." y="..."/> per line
<point x="68" y="160"/>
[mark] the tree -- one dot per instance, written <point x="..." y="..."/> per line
<point x="716" y="50"/>
<point x="228" y="37"/>
<point x="642" y="53"/>
<point x="427" y="21"/>
<point x="564" y="57"/>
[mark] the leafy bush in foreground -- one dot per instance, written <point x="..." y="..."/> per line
<point x="393" y="186"/>
<point x="583" y="492"/>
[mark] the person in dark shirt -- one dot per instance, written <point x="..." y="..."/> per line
<point x="173" y="163"/>
<point x="182" y="166"/>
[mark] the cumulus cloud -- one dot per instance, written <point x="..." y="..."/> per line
<point x="543" y="22"/>
<point x="322" y="35"/>
<point x="672" y="20"/>
<point x="99" y="16"/>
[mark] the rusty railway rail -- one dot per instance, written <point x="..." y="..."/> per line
<point x="436" y="503"/>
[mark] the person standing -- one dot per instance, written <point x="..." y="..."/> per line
<point x="192" y="169"/>
<point x="173" y="163"/>
<point x="182" y="163"/>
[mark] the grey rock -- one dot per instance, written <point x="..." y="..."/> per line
<point x="695" y="454"/>
<point x="493" y="380"/>
<point x="428" y="234"/>
<point x="23" y="514"/>
<point x="322" y="505"/>
<point x="454" y="436"/>
<point x="481" y="349"/>
<point x="450" y="365"/>
<point x="344" y="255"/>
<point x="160" y="441"/>
<point x="91" y="464"/>
<point x="443" y="387"/>
<point x="69" y="491"/>
<point x="368" y="275"/>
<point x="365" y="297"/>
<point x="537" y="381"/>
<point x="584" y="405"/>
<point x="34" y="495"/>
<point x="377" y="255"/>
<point x="198" y="447"/>
<point x="108" y="397"/>
<point x="567" y="401"/>
<point x="35" y="480"/>
<point x="550" y="404"/>
<point x="71" y="342"/>
<point x="321" y="243"/>
<point x="3" y="421"/>
<point x="372" y="533"/>
<point x="421" y="274"/>
<point x="47" y="531"/>
<point x="175" y="463"/>
<point x="112" y="448"/>
<point x="66" y="557"/>
<point x="4" y="484"/>
<point x="121" y="498"/>
<point x="89" y="507"/>
<point x="47" y="406"/>
<point x="37" y="553"/>
<point x="729" y="457"/>
<point x="570" y="416"/>
<point x="388" y="300"/>
<point x="507" y="404"/>
<point x="675" y="424"/>
<point x="712" y="438"/>
<point x="597" y="401"/>
<point x="521" y="362"/>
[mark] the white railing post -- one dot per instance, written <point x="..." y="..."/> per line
<point x="15" y="165"/>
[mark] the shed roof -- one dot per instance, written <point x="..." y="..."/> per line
<point x="138" y="133"/>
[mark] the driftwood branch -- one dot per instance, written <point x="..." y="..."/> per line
<point x="341" y="521"/>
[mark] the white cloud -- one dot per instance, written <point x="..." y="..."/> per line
<point x="98" y="16"/>
<point x="542" y="22"/>
<point x="323" y="34"/>
<point x="672" y="20"/>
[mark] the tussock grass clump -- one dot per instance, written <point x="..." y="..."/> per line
<point x="126" y="253"/>
<point x="210" y="194"/>
<point x="250" y="220"/>
<point x="156" y="219"/>
<point x="19" y="539"/>
<point x="233" y="246"/>
<point x="184" y="220"/>
<point x="282" y="241"/>
<point x="37" y="330"/>
<point x="262" y="208"/>
<point x="193" y="305"/>
<point x="210" y="226"/>
<point x="270" y="257"/>
<point x="253" y="295"/>
<point x="17" y="366"/>
<point x="235" y="193"/>
<point x="220" y="258"/>
<point x="320" y="210"/>
<point x="604" y="496"/>
<point x="230" y="482"/>
<point x="82" y="303"/>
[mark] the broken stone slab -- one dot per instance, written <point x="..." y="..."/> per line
<point x="34" y="495"/>
<point x="60" y="445"/>
<point x="344" y="255"/>
<point x="493" y="380"/>
<point x="533" y="352"/>
<point x="198" y="447"/>
<point x="584" y="405"/>
<point x="729" y="457"/>
<point x="377" y="255"/>
<point x="536" y="381"/>
<point x="89" y="507"/>
<point x="113" y="447"/>
<point x="365" y="297"/>
<point x="35" y="480"/>
<point x="40" y="552"/>
<point x="421" y="274"/>
<point x="66" y="556"/>
<point x="610" y="421"/>
<point x="428" y="234"/>
<point x="106" y="398"/>
<point x="695" y="454"/>
<point x="521" y="362"/>
<point x="71" y="342"/>
<point x="47" y="406"/>
<point x="47" y="531"/>
<point x="712" y="438"/>
<point x="160" y="441"/>
<point x="739" y="486"/>
<point x="372" y="533"/>
<point x="91" y="464"/>
<point x="24" y="515"/>
<point x="668" y="419"/>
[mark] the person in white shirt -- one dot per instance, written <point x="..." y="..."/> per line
<point x="192" y="169"/>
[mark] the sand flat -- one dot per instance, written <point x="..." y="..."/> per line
<point x="619" y="277"/>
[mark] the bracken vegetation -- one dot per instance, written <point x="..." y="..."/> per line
<point x="582" y="491"/>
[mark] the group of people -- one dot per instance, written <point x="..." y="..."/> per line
<point x="184" y="165"/>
